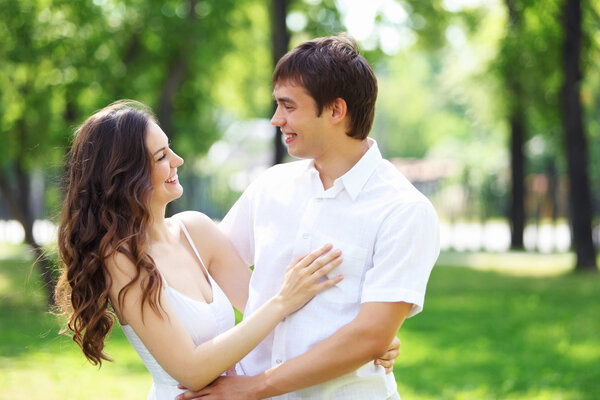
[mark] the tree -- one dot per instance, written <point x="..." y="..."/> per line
<point x="528" y="67"/>
<point x="32" y="106"/>
<point x="280" y="39"/>
<point x="518" y="134"/>
<point x="575" y="139"/>
<point x="61" y="60"/>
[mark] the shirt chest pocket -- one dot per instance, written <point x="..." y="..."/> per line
<point x="352" y="268"/>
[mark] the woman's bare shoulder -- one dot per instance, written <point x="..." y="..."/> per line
<point x="196" y="222"/>
<point x="205" y="234"/>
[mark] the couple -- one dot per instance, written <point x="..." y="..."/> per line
<point x="362" y="239"/>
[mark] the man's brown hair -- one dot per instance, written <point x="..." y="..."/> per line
<point x="330" y="68"/>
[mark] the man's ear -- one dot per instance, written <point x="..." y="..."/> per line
<point x="338" y="110"/>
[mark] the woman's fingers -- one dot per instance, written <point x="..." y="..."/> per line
<point x="324" y="263"/>
<point x="391" y="354"/>
<point x="318" y="264"/>
<point x="329" y="282"/>
<point x="294" y="262"/>
<point x="313" y="255"/>
<point x="388" y="359"/>
<point x="328" y="266"/>
<point x="386" y="364"/>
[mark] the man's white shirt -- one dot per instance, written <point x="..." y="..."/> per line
<point x="387" y="231"/>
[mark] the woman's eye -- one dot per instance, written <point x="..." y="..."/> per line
<point x="162" y="157"/>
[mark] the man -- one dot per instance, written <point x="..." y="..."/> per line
<point x="343" y="193"/>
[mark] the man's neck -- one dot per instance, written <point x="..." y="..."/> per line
<point x="337" y="163"/>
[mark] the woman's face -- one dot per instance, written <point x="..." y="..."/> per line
<point x="164" y="163"/>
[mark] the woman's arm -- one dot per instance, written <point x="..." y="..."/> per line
<point x="196" y="366"/>
<point x="221" y="259"/>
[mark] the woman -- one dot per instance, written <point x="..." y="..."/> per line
<point x="120" y="250"/>
<point x="158" y="275"/>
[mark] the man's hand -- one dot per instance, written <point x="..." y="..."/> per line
<point x="230" y="387"/>
<point x="388" y="359"/>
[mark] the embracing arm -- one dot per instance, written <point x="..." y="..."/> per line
<point x="368" y="335"/>
<point x="196" y="366"/>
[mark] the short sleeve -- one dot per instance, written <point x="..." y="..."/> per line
<point x="406" y="248"/>
<point x="238" y="225"/>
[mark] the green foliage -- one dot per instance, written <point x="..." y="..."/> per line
<point x="322" y="18"/>
<point x="61" y="60"/>
<point x="201" y="64"/>
<point x="590" y="95"/>
<point x="529" y="66"/>
<point x="438" y="100"/>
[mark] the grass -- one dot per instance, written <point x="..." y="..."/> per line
<point x="484" y="334"/>
<point x="489" y="335"/>
<point x="35" y="362"/>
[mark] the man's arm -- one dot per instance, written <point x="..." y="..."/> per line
<point x="359" y="342"/>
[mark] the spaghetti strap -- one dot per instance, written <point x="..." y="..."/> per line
<point x="191" y="242"/>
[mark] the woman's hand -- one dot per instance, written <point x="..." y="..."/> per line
<point x="388" y="359"/>
<point x="301" y="280"/>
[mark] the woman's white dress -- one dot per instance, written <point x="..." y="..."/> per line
<point x="202" y="320"/>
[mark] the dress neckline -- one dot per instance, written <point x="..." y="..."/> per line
<point x="208" y="277"/>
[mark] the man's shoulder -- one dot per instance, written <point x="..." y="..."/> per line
<point x="283" y="171"/>
<point x="274" y="178"/>
<point x="397" y="188"/>
<point x="296" y="165"/>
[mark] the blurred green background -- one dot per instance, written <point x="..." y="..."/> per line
<point x="490" y="107"/>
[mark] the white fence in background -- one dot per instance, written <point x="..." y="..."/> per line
<point x="493" y="236"/>
<point x="11" y="231"/>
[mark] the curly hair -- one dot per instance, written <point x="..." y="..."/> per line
<point x="105" y="211"/>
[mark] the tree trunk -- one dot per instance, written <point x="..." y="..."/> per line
<point x="517" y="159"/>
<point x="19" y="204"/>
<point x="580" y="203"/>
<point x="518" y="126"/>
<point x="173" y="81"/>
<point x="280" y="42"/>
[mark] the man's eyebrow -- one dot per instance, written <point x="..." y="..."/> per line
<point x="284" y="99"/>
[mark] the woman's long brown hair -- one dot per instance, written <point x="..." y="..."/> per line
<point x="105" y="211"/>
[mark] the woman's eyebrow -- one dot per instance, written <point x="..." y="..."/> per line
<point x="159" y="150"/>
<point x="162" y="148"/>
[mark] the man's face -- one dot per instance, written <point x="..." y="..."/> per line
<point x="306" y="134"/>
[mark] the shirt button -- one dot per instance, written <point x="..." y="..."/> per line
<point x="283" y="319"/>
<point x="305" y="236"/>
<point x="278" y="361"/>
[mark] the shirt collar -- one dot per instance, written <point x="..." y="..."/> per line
<point x="356" y="178"/>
